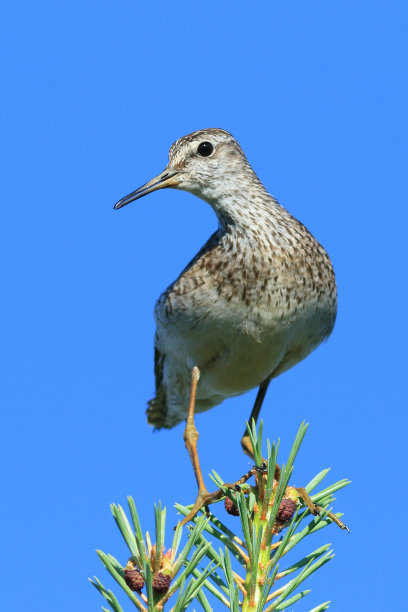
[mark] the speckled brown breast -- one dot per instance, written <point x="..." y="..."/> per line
<point x="272" y="287"/>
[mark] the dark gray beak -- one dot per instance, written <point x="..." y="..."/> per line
<point x="166" y="179"/>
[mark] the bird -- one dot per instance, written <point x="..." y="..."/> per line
<point x="258" y="297"/>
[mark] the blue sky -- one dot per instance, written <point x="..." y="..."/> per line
<point x="95" y="93"/>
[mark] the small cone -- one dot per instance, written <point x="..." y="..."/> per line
<point x="161" y="583"/>
<point x="286" y="510"/>
<point x="230" y="507"/>
<point x="134" y="579"/>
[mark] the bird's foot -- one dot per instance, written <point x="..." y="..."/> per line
<point x="301" y="491"/>
<point x="318" y="510"/>
<point x="204" y="498"/>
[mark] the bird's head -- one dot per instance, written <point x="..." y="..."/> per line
<point x="207" y="163"/>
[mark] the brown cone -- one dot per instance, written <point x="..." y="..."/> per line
<point x="230" y="507"/>
<point x="286" y="510"/>
<point x="134" y="579"/>
<point x="161" y="583"/>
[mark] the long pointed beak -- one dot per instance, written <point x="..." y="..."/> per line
<point x="166" y="179"/>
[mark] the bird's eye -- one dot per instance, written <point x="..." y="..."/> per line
<point x="205" y="149"/>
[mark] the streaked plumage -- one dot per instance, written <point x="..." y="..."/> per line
<point x="257" y="298"/>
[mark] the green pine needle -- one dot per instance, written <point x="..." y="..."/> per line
<point x="251" y="566"/>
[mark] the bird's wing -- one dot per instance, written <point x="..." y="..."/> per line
<point x="156" y="407"/>
<point x="157" y="411"/>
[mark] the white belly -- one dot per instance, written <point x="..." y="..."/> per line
<point x="235" y="349"/>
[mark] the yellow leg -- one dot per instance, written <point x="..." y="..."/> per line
<point x="316" y="510"/>
<point x="248" y="450"/>
<point x="191" y="434"/>
<point x="190" y="437"/>
<point x="245" y="441"/>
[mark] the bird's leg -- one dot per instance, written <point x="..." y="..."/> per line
<point x="317" y="510"/>
<point x="204" y="498"/>
<point x="190" y="438"/>
<point x="247" y="448"/>
<point x="245" y="440"/>
<point x="190" y="435"/>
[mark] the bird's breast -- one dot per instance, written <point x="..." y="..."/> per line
<point x="241" y="313"/>
<point x="242" y="289"/>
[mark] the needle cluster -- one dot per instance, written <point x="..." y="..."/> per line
<point x="249" y="572"/>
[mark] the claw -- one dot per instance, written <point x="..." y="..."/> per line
<point x="317" y="510"/>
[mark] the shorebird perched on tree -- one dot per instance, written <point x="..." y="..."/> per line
<point x="256" y="299"/>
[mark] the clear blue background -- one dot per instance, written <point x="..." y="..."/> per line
<point x="94" y="93"/>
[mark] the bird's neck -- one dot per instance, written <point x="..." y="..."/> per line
<point x="241" y="204"/>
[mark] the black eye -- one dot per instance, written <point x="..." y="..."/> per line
<point x="205" y="149"/>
